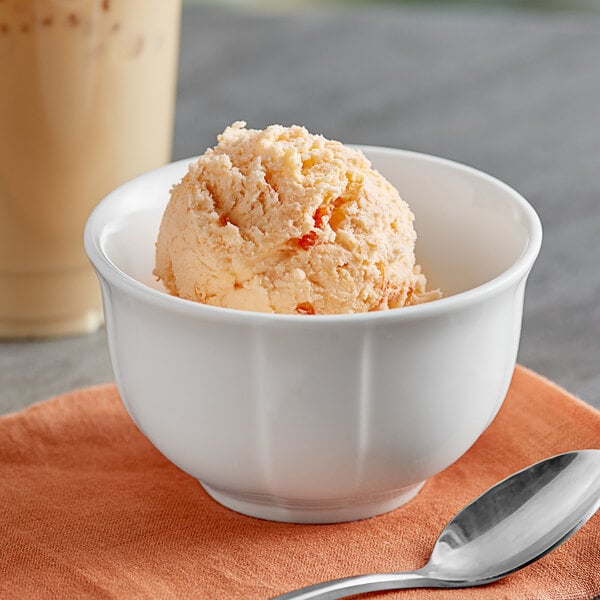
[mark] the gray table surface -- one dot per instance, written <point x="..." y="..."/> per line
<point x="516" y="94"/>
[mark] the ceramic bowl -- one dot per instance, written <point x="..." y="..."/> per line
<point x="328" y="418"/>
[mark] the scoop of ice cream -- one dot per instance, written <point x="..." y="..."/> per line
<point x="283" y="221"/>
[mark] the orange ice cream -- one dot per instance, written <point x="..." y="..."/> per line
<point x="283" y="221"/>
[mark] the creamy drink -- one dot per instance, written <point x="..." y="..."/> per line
<point x="87" y="91"/>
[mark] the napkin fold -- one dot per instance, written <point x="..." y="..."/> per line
<point x="90" y="509"/>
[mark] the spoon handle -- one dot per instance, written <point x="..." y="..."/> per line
<point x="343" y="588"/>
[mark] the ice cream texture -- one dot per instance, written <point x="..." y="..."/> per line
<point x="283" y="221"/>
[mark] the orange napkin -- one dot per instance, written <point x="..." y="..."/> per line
<point x="89" y="509"/>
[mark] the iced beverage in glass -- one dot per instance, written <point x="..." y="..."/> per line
<point x="87" y="91"/>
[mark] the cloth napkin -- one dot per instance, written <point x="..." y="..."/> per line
<point x="89" y="509"/>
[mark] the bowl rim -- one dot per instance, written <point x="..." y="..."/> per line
<point x="97" y="223"/>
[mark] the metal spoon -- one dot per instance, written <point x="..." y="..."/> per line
<point x="513" y="524"/>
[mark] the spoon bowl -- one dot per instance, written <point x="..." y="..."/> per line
<point x="508" y="527"/>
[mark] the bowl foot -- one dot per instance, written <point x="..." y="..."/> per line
<point x="313" y="511"/>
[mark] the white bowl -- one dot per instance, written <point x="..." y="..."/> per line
<point x="323" y="418"/>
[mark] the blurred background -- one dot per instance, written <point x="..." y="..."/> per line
<point x="578" y="5"/>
